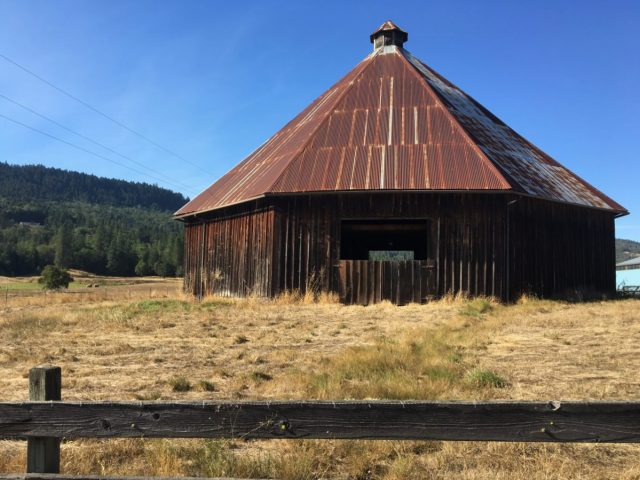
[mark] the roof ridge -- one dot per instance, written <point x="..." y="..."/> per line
<point x="503" y="177"/>
<point x="294" y="157"/>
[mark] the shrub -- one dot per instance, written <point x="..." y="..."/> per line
<point x="54" y="278"/>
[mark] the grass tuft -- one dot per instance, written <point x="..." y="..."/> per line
<point x="180" y="384"/>
<point x="207" y="386"/>
<point x="485" y="379"/>
<point x="261" y="376"/>
<point x="477" y="307"/>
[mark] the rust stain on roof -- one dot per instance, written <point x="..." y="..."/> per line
<point x="393" y="123"/>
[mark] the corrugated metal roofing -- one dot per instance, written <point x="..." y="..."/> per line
<point x="393" y="123"/>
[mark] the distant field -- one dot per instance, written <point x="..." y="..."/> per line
<point x="17" y="291"/>
<point x="129" y="346"/>
<point x="33" y="286"/>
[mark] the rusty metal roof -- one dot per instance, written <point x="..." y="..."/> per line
<point x="393" y="123"/>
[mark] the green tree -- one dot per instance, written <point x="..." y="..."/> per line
<point x="54" y="278"/>
<point x="143" y="267"/>
<point x="121" y="259"/>
<point x="64" y="246"/>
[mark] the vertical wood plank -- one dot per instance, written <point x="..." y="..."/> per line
<point x="43" y="453"/>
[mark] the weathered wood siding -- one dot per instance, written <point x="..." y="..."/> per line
<point x="230" y="255"/>
<point x="466" y="242"/>
<point x="481" y="244"/>
<point x="558" y="250"/>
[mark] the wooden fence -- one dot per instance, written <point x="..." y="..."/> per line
<point x="45" y="420"/>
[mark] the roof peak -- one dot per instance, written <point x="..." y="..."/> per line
<point x="388" y="34"/>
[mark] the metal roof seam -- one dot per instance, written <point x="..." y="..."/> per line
<point x="294" y="157"/>
<point x="504" y="179"/>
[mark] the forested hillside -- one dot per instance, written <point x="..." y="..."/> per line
<point x="35" y="182"/>
<point x="82" y="221"/>
<point x="626" y="249"/>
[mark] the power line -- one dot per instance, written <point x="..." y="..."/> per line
<point x="82" y="149"/>
<point x="99" y="112"/>
<point x="95" y="142"/>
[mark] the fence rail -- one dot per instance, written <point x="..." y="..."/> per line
<point x="630" y="291"/>
<point x="44" y="423"/>
<point x="617" y="422"/>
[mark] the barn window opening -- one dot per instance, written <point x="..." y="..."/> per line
<point x="384" y="240"/>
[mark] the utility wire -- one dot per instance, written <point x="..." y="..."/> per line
<point x="95" y="142"/>
<point x="99" y="112"/>
<point x="82" y="149"/>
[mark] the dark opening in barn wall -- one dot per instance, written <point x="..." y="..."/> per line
<point x="384" y="240"/>
<point x="385" y="259"/>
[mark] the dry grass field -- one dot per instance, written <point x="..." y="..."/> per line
<point x="129" y="346"/>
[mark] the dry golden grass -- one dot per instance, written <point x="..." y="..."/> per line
<point x="296" y="347"/>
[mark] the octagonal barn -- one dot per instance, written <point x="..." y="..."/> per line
<point x="396" y="185"/>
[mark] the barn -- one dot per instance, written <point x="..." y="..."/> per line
<point x="396" y="185"/>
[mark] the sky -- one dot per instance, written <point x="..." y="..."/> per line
<point x="204" y="83"/>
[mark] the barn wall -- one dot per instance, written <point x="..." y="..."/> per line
<point x="232" y="254"/>
<point x="478" y="244"/>
<point x="557" y="250"/>
<point x="467" y="239"/>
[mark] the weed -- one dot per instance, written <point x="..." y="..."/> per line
<point x="485" y="379"/>
<point x="261" y="376"/>
<point x="240" y="339"/>
<point x="156" y="306"/>
<point x="207" y="386"/>
<point x="180" y="384"/>
<point x="476" y="308"/>
<point x="455" y="357"/>
<point x="440" y="372"/>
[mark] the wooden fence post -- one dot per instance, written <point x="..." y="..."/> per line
<point x="43" y="453"/>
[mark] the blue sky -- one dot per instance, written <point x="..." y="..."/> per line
<point x="213" y="80"/>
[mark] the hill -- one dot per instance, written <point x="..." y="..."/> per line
<point x="76" y="220"/>
<point x="36" y="182"/>
<point x="626" y="249"/>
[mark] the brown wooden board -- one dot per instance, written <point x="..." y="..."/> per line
<point x="478" y="421"/>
